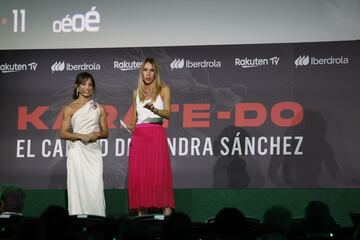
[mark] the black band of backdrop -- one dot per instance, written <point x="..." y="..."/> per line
<point x="244" y="116"/>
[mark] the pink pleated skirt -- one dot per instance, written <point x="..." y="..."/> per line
<point x="149" y="170"/>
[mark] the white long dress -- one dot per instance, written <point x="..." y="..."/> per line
<point x="85" y="184"/>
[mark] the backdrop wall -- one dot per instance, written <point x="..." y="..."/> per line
<point x="244" y="116"/>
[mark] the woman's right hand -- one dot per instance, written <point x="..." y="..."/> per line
<point x="87" y="137"/>
<point x="131" y="128"/>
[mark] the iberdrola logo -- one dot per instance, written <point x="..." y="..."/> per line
<point x="58" y="66"/>
<point x="302" y="61"/>
<point x="177" y="64"/>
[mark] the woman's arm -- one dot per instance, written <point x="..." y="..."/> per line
<point x="104" y="131"/>
<point x="132" y="124"/>
<point x="65" y="126"/>
<point x="166" y="97"/>
<point x="165" y="94"/>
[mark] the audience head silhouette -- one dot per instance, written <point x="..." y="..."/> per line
<point x="317" y="218"/>
<point x="177" y="226"/>
<point x="12" y="199"/>
<point x="276" y="223"/>
<point x="230" y="221"/>
<point x="56" y="222"/>
<point x="277" y="219"/>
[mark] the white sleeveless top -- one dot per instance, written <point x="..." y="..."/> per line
<point x="144" y="113"/>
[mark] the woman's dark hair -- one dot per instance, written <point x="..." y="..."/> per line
<point x="80" y="78"/>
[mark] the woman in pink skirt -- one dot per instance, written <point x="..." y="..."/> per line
<point x="149" y="173"/>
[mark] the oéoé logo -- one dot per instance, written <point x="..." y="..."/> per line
<point x="78" y="23"/>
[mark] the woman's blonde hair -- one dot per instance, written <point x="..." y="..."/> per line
<point x="158" y="83"/>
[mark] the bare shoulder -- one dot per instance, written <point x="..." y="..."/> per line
<point x="134" y="92"/>
<point x="70" y="108"/>
<point x="102" y="108"/>
<point x="165" y="89"/>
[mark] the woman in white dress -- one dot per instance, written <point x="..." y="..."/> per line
<point x="85" y="186"/>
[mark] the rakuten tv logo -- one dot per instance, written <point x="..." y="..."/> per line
<point x="18" y="67"/>
<point x="257" y="62"/>
<point x="127" y="65"/>
<point x="88" y="22"/>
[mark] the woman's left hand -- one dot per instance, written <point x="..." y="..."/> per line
<point x="151" y="107"/>
<point x="93" y="136"/>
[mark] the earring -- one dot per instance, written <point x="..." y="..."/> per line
<point x="77" y="93"/>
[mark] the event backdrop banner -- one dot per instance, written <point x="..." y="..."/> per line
<point x="243" y="116"/>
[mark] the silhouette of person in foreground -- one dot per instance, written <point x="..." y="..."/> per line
<point x="12" y="200"/>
